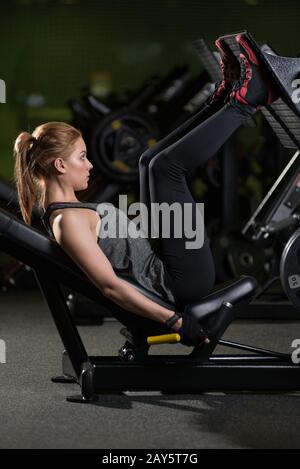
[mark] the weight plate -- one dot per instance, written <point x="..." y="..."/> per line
<point x="118" y="141"/>
<point x="235" y="256"/>
<point x="290" y="268"/>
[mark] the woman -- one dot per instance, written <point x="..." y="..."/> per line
<point x="51" y="165"/>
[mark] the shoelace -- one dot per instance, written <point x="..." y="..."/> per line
<point x="230" y="72"/>
<point x="246" y="73"/>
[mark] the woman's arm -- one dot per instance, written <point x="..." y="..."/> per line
<point x="75" y="236"/>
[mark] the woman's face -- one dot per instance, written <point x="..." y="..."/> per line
<point x="77" y="167"/>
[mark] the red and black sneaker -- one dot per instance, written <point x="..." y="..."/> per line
<point x="230" y="68"/>
<point x="255" y="86"/>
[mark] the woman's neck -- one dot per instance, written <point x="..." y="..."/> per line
<point x="58" y="191"/>
<point x="59" y="196"/>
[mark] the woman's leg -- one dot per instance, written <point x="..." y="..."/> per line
<point x="168" y="140"/>
<point x="137" y="324"/>
<point x="190" y="271"/>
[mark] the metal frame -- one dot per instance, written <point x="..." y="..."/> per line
<point x="198" y="372"/>
<point x="260" y="370"/>
<point x="175" y="374"/>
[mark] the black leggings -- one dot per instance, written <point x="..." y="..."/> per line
<point x="163" y="169"/>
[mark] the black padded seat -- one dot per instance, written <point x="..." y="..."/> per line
<point x="237" y="291"/>
<point x="37" y="250"/>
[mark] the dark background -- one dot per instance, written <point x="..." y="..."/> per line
<point x="50" y="49"/>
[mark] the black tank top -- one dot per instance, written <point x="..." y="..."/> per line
<point x="128" y="255"/>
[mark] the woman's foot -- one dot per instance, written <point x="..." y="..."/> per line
<point x="255" y="86"/>
<point x="230" y="68"/>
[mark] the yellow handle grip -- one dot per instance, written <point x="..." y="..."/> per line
<point x="163" y="339"/>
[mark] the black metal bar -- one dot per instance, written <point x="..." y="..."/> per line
<point x="221" y="374"/>
<point x="185" y="360"/>
<point x="175" y="373"/>
<point x="63" y="320"/>
<point x="250" y="348"/>
<point x="216" y="328"/>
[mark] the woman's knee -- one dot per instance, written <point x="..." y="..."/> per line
<point x="159" y="167"/>
<point x="145" y="159"/>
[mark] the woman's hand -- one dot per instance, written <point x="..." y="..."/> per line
<point x="191" y="332"/>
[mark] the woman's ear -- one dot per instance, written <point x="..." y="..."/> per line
<point x="59" y="165"/>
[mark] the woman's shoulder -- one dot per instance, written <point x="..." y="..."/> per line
<point x="71" y="213"/>
<point x="72" y="216"/>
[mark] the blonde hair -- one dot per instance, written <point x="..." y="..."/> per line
<point x="34" y="154"/>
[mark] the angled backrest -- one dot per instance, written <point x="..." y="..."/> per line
<point x="53" y="267"/>
<point x="31" y="246"/>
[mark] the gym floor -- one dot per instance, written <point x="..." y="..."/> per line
<point x="35" y="414"/>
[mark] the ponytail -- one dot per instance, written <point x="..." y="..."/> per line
<point x="23" y="174"/>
